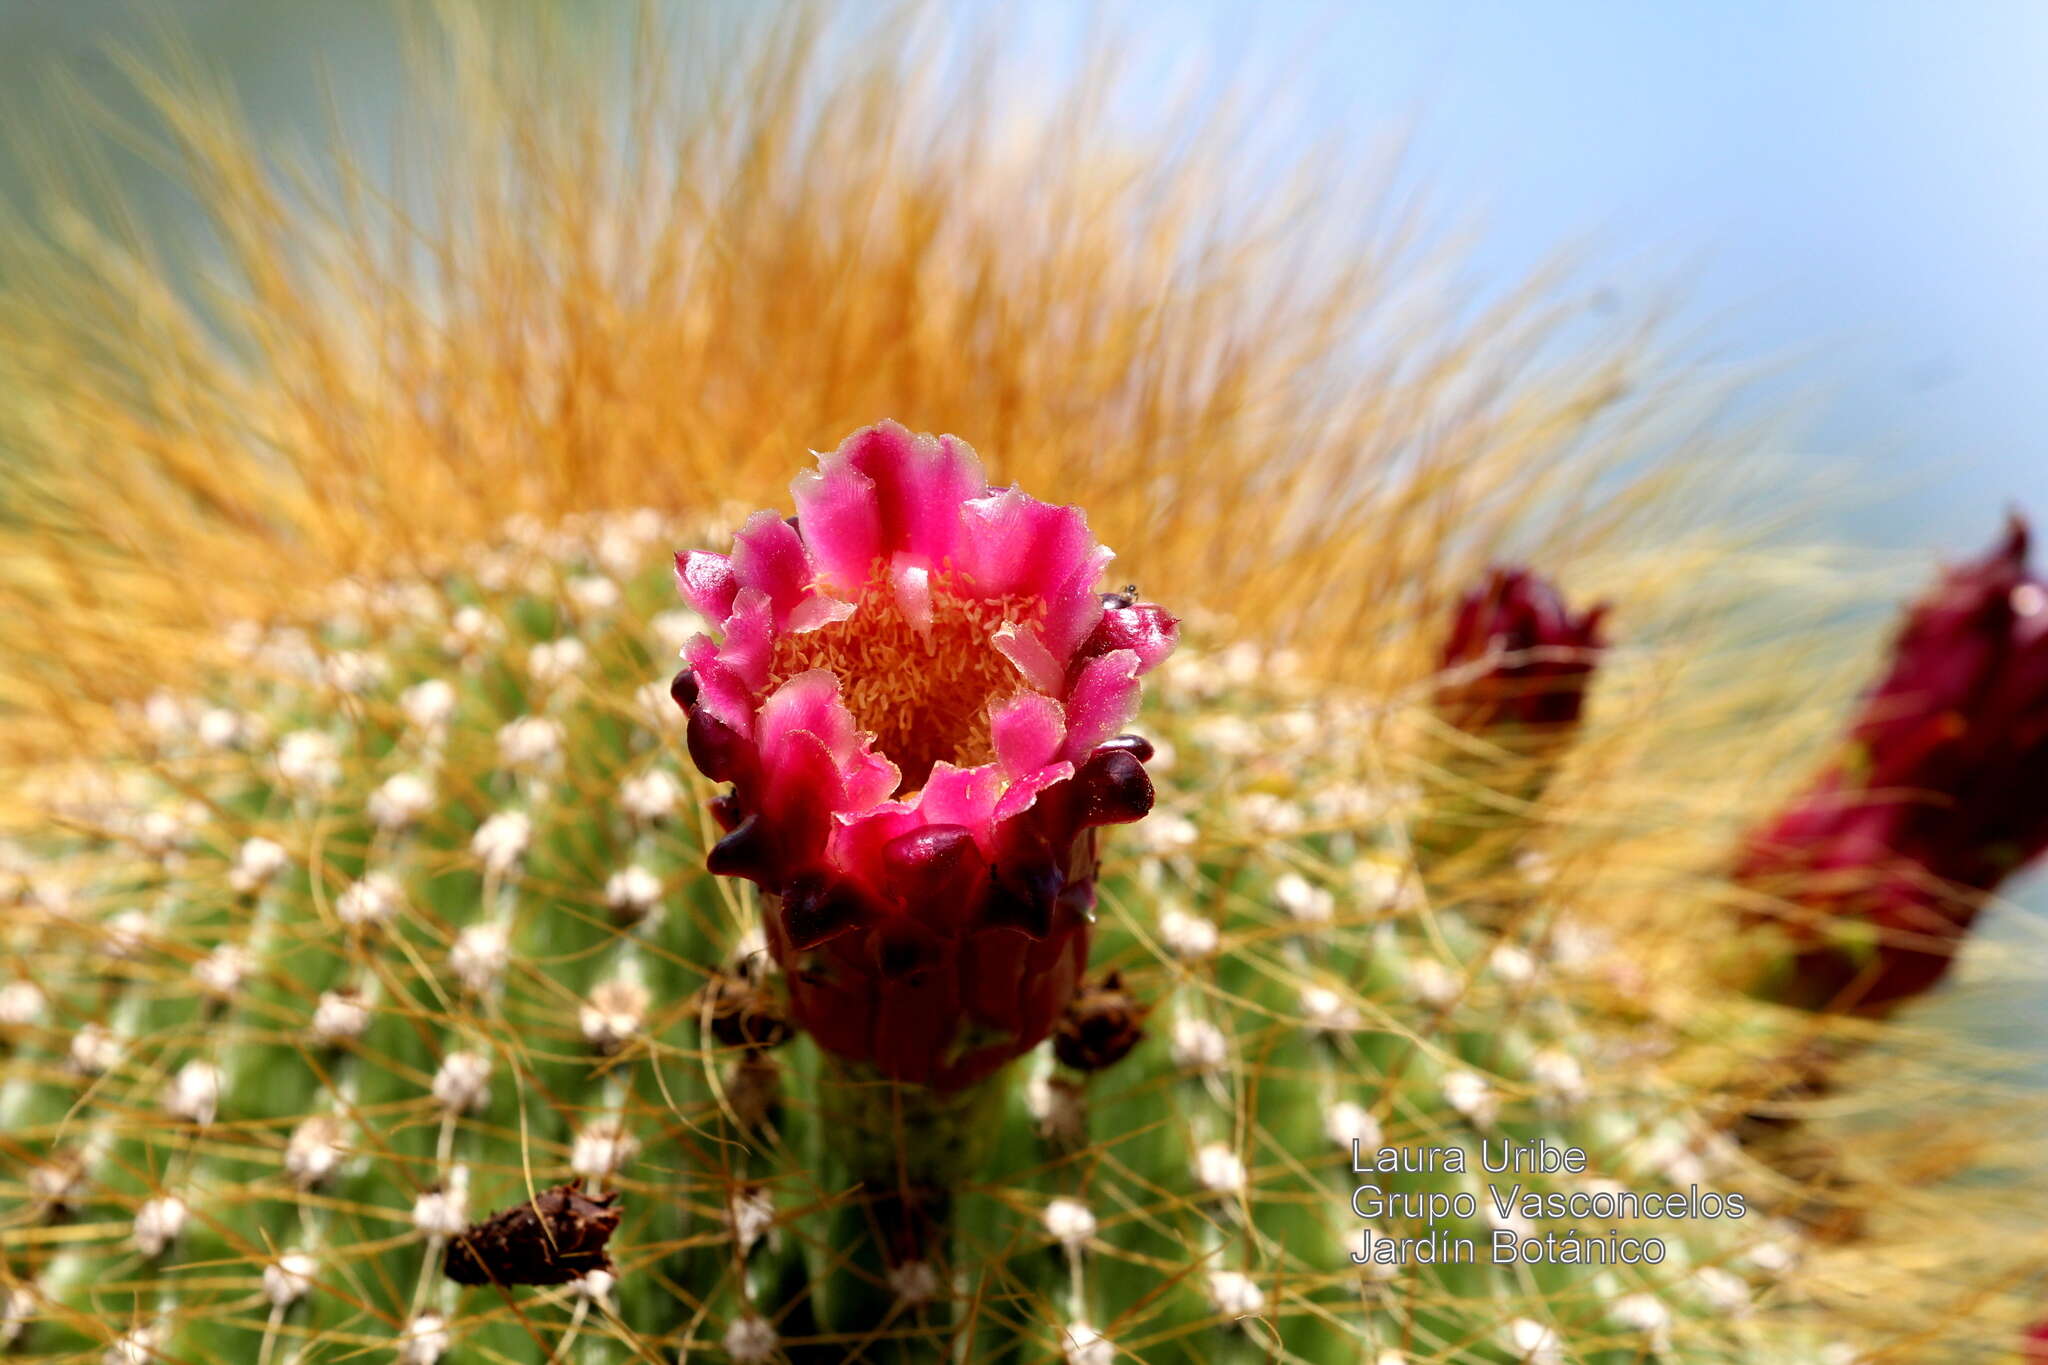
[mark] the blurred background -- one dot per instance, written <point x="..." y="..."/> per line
<point x="1846" y="195"/>
<point x="1844" y="199"/>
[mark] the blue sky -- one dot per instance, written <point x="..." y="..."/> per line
<point x="1856" y="190"/>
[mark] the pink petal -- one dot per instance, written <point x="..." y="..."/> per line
<point x="962" y="796"/>
<point x="1101" y="702"/>
<point x="1024" y="792"/>
<point x="720" y="690"/>
<point x="1074" y="608"/>
<point x="769" y="555"/>
<point x="749" y="644"/>
<point x="1146" y="630"/>
<point x="886" y="493"/>
<point x="1027" y="730"/>
<point x="707" y="583"/>
<point x="1015" y="545"/>
<point x="1022" y="647"/>
<point x="809" y="705"/>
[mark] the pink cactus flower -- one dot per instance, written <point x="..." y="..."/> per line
<point x="1517" y="658"/>
<point x="918" y="700"/>
<point x="1941" y="793"/>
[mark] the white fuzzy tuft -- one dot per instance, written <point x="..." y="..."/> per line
<point x="289" y="1278"/>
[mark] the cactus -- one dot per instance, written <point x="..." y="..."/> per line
<point x="364" y="987"/>
<point x="406" y="921"/>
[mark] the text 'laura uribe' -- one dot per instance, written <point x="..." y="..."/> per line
<point x="1412" y="1216"/>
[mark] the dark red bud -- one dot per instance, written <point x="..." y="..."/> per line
<point x="814" y="912"/>
<point x="933" y="872"/>
<point x="714" y="747"/>
<point x="1113" y="788"/>
<point x="748" y="851"/>
<point x="683" y="688"/>
<point x="725" y="809"/>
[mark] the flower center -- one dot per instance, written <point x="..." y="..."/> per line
<point x="923" y="694"/>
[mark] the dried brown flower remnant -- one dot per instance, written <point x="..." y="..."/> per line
<point x="1101" y="1025"/>
<point x="557" y="1236"/>
<point x="741" y="1012"/>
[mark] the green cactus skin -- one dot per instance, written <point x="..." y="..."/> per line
<point x="474" y="973"/>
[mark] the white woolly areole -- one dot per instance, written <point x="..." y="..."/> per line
<point x="1558" y="1074"/>
<point x="674" y="628"/>
<point x="479" y="956"/>
<point x="1306" y="902"/>
<point x="308" y="761"/>
<point x="501" y="841"/>
<point x="425" y="1340"/>
<point x="602" y="1147"/>
<point x="137" y="1347"/>
<point x="914" y="1282"/>
<point x="126" y="934"/>
<point x="157" y="1224"/>
<point x="315" y="1150"/>
<point x="651" y="796"/>
<point x="17" y="1306"/>
<point x="1198" y="1045"/>
<point x="162" y="832"/>
<point x="750" y="1340"/>
<point x="553" y="662"/>
<point x="469" y="629"/>
<point x="1533" y="1342"/>
<point x="219" y="728"/>
<point x="194" y="1092"/>
<point x="96" y="1049"/>
<point x="1167" y="832"/>
<point x="1641" y="1312"/>
<point x="632" y="891"/>
<point x="1433" y="983"/>
<point x="657" y="706"/>
<point x="1325" y="1011"/>
<point x="258" y="861"/>
<point x="614" y="1014"/>
<point x="1233" y="1294"/>
<point x="530" y="742"/>
<point x="400" y="800"/>
<point x="1511" y="965"/>
<point x="463" y="1083"/>
<point x="21" y="1004"/>
<point x="427" y="705"/>
<point x="1070" y="1222"/>
<point x="1083" y="1345"/>
<point x="374" y="900"/>
<point x="340" y="1017"/>
<point x="1188" y="935"/>
<point x="748" y="1216"/>
<point x="1469" y="1094"/>
<point x="289" y="1278"/>
<point x="221" y="972"/>
<point x="1724" y="1290"/>
<point x="593" y="593"/>
<point x="445" y="1211"/>
<point x="1348" y="1123"/>
<point x="1219" y="1169"/>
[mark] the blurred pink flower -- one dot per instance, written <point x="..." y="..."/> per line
<point x="1941" y="793"/>
<point x="1517" y="658"/>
